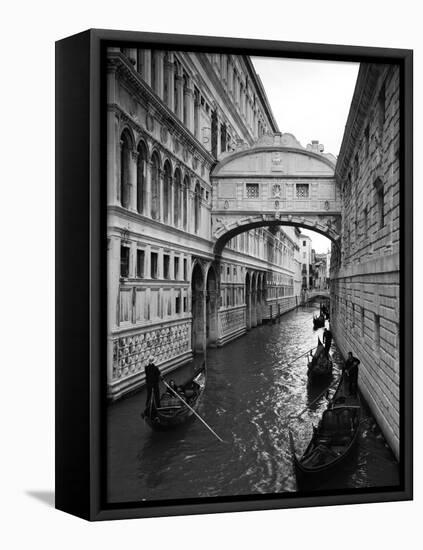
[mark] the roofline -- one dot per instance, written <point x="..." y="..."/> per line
<point x="259" y="85"/>
<point x="268" y="149"/>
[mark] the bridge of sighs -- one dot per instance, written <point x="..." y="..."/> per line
<point x="275" y="182"/>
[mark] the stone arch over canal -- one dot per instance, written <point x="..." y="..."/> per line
<point x="275" y="182"/>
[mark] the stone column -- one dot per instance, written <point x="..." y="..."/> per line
<point x="184" y="207"/>
<point x="113" y="272"/>
<point x="172" y="274"/>
<point x="133" y="181"/>
<point x="113" y="158"/>
<point x="190" y="211"/>
<point x="146" y="73"/>
<point x="132" y="259"/>
<point x="170" y="81"/>
<point x="168" y="214"/>
<point x="160" y="264"/>
<point x="179" y="107"/>
<point x="197" y="118"/>
<point x="159" y="73"/>
<point x="230" y="71"/>
<point x="204" y="306"/>
<point x="219" y="142"/>
<point x="147" y="195"/>
<point x="253" y="308"/>
<point x="189" y="95"/>
<point x="172" y="190"/>
<point x="160" y="202"/>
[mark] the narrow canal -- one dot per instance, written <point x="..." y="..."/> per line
<point x="254" y="395"/>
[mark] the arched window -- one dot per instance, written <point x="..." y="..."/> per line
<point x="155" y="186"/>
<point x="125" y="159"/>
<point x="185" y="202"/>
<point x="167" y="190"/>
<point x="177" y="192"/>
<point x="141" y="177"/>
<point x="197" y="207"/>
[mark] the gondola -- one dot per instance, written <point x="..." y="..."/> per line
<point x="319" y="364"/>
<point x="172" y="412"/>
<point x="318" y="321"/>
<point x="334" y="438"/>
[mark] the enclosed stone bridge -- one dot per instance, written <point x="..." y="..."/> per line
<point x="315" y="294"/>
<point x="275" y="182"/>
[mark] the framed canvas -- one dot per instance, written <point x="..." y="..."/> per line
<point x="233" y="291"/>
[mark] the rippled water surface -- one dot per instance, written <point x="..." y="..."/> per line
<point x="255" y="393"/>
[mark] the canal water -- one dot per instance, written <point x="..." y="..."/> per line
<point x="255" y="394"/>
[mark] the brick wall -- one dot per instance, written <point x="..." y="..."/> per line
<point x="365" y="271"/>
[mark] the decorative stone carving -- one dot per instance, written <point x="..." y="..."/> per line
<point x="277" y="190"/>
<point x="133" y="107"/>
<point x="232" y="320"/>
<point x="277" y="162"/>
<point x="130" y="354"/>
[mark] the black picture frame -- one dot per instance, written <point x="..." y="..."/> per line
<point x="81" y="280"/>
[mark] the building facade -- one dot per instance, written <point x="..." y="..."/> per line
<point x="365" y="268"/>
<point x="320" y="280"/>
<point x="171" y="116"/>
<point x="306" y="261"/>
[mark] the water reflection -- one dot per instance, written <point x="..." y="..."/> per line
<point x="255" y="393"/>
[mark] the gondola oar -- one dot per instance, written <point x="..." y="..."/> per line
<point x="299" y="357"/>
<point x="192" y="410"/>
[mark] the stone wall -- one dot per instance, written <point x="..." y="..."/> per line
<point x="365" y="269"/>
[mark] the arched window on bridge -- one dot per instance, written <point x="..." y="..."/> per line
<point x="125" y="169"/>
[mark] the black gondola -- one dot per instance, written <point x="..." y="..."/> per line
<point x="333" y="439"/>
<point x="318" y="321"/>
<point x="172" y="412"/>
<point x="320" y="364"/>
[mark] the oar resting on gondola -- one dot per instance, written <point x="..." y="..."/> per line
<point x="173" y="411"/>
<point x="334" y="437"/>
<point x="178" y="404"/>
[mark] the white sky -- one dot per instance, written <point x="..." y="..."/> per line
<point x="310" y="99"/>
